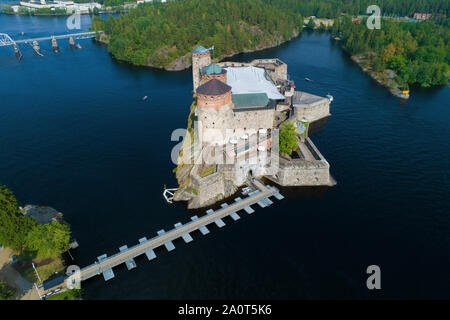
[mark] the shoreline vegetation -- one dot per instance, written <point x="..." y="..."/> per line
<point x="163" y="35"/>
<point x="400" y="54"/>
<point x="30" y="235"/>
<point x="385" y="78"/>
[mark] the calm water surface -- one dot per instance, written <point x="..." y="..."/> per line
<point x="75" y="135"/>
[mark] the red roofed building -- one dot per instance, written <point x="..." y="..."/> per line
<point x="422" y="16"/>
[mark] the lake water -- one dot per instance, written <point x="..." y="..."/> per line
<point x="75" y="135"/>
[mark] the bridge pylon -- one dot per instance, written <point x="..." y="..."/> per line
<point x="6" y="40"/>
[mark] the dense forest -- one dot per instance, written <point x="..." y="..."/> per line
<point x="417" y="52"/>
<point x="334" y="8"/>
<point x="20" y="232"/>
<point x="157" y="34"/>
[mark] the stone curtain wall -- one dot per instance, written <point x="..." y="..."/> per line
<point x="299" y="172"/>
<point x="304" y="173"/>
<point x="213" y="123"/>
<point x="255" y="119"/>
<point x="312" y="113"/>
<point x="209" y="189"/>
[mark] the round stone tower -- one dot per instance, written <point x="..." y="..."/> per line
<point x="213" y="71"/>
<point x="200" y="59"/>
<point x="215" y="111"/>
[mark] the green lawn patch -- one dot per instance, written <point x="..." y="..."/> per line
<point x="207" y="171"/>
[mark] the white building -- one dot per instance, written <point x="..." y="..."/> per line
<point x="70" y="6"/>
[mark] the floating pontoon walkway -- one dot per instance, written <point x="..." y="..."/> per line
<point x="126" y="255"/>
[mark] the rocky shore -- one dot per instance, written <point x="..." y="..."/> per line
<point x="385" y="78"/>
<point x="185" y="61"/>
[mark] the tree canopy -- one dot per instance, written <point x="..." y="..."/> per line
<point x="18" y="231"/>
<point x="13" y="225"/>
<point x="5" y="294"/>
<point x="156" y="34"/>
<point x="49" y="240"/>
<point x="417" y="52"/>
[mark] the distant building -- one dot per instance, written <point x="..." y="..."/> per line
<point x="422" y="16"/>
<point x="319" y="21"/>
<point x="70" y="6"/>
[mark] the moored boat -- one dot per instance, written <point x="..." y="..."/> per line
<point x="36" y="47"/>
<point x="55" y="45"/>
<point x="17" y="51"/>
<point x="330" y="97"/>
<point x="72" y="42"/>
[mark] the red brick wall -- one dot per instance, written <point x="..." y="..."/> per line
<point x="216" y="102"/>
<point x="222" y="77"/>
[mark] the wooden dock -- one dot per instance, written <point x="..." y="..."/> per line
<point x="104" y="264"/>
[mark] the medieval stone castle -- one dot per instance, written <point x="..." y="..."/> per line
<point x="239" y="108"/>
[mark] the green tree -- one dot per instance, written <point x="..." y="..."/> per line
<point x="311" y="24"/>
<point x="398" y="62"/>
<point x="5" y="294"/>
<point x="49" y="240"/>
<point x="288" y="138"/>
<point x="14" y="226"/>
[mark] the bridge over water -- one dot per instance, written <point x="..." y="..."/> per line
<point x="6" y="40"/>
<point x="104" y="264"/>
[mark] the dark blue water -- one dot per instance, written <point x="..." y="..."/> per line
<point x="75" y="135"/>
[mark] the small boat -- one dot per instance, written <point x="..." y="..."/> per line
<point x="78" y="46"/>
<point x="330" y="97"/>
<point x="72" y="42"/>
<point x="144" y="98"/>
<point x="55" y="45"/>
<point x="308" y="79"/>
<point x="17" y="52"/>
<point x="22" y="33"/>
<point x="36" y="47"/>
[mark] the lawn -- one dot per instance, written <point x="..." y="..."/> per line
<point x="207" y="171"/>
<point x="45" y="271"/>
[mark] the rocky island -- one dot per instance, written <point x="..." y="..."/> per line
<point x="235" y="130"/>
<point x="161" y="35"/>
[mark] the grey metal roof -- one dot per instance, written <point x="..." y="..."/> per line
<point x="304" y="99"/>
<point x="251" y="80"/>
